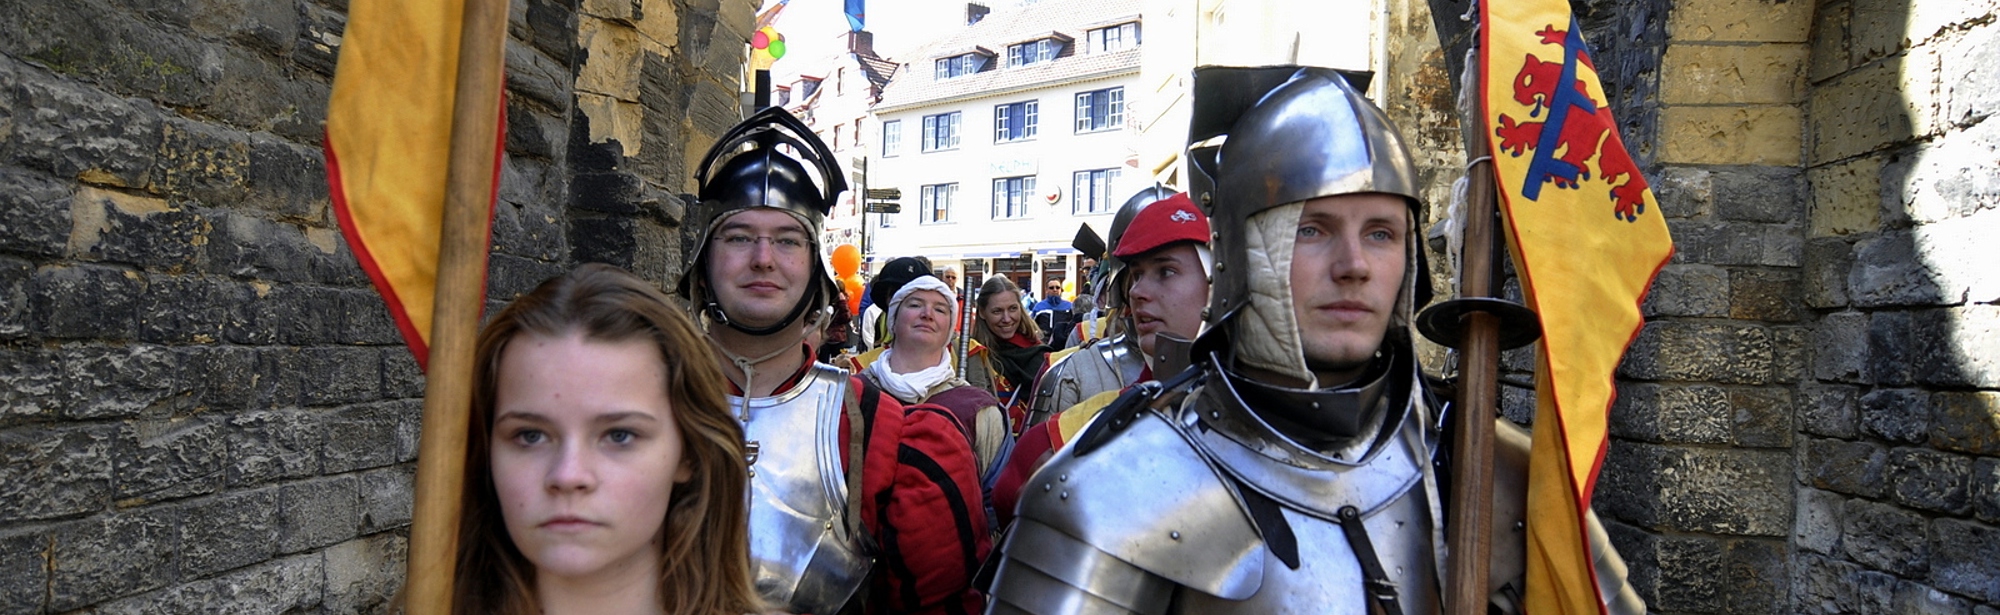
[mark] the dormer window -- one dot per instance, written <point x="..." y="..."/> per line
<point x="806" y="87"/>
<point x="1113" y="38"/>
<point x="960" y="65"/>
<point x="1032" y="52"/>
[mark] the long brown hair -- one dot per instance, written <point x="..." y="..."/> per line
<point x="989" y="291"/>
<point x="705" y="546"/>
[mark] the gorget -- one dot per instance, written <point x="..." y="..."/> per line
<point x="803" y="556"/>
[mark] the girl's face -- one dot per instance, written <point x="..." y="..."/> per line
<point x="585" y="454"/>
<point x="923" y="321"/>
<point x="1003" y="314"/>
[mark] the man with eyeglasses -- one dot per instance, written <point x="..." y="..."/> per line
<point x="855" y="499"/>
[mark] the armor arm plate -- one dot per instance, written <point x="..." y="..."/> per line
<point x="1046" y="572"/>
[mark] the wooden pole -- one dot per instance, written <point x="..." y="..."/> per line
<point x="1471" y="524"/>
<point x="461" y="281"/>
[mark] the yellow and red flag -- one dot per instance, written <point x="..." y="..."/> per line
<point x="1588" y="239"/>
<point x="388" y="142"/>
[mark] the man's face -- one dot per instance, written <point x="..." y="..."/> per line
<point x="950" y="278"/>
<point x="1168" y="291"/>
<point x="1054" y="289"/>
<point x="1347" y="269"/>
<point x="760" y="265"/>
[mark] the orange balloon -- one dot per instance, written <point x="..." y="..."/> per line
<point x="846" y="260"/>
<point x="852" y="283"/>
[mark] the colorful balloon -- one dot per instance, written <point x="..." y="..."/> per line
<point x="846" y="260"/>
<point x="852" y="283"/>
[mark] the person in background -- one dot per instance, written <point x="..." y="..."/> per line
<point x="604" y="473"/>
<point x="1009" y="355"/>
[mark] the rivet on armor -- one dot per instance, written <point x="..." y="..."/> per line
<point x="1174" y="535"/>
<point x="1064" y="494"/>
<point x="1315" y="405"/>
<point x="1063" y="478"/>
<point x="1205" y="198"/>
<point x="1214" y="415"/>
<point x="1520" y="525"/>
<point x="829" y="525"/>
<point x="1048" y="486"/>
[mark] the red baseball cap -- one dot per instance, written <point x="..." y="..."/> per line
<point x="1165" y="221"/>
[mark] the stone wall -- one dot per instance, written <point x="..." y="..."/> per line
<point x="203" y="405"/>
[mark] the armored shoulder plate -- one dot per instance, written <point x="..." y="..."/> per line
<point x="1198" y="535"/>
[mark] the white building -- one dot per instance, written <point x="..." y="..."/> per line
<point x="1005" y="136"/>
<point x="833" y="96"/>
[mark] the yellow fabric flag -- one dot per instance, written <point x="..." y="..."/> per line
<point x="1588" y="239"/>
<point x="388" y="143"/>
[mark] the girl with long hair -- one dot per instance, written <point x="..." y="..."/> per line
<point x="604" y="473"/>
<point x="1011" y="355"/>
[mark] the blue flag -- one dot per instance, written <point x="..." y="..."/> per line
<point x="856" y="15"/>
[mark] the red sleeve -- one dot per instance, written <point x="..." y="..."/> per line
<point x="921" y="506"/>
<point x="1030" y="451"/>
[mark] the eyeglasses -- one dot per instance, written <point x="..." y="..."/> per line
<point x="788" y="245"/>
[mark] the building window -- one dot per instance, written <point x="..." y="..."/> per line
<point x="1031" y="52"/>
<point x="960" y="65"/>
<point x="1100" y="110"/>
<point x="1016" y="121"/>
<point x="941" y="131"/>
<point x="1115" y="38"/>
<point x="1010" y="196"/>
<point x="892" y="138"/>
<point x="837" y="129"/>
<point x="935" y="202"/>
<point x="1091" y="193"/>
<point x="807" y="87"/>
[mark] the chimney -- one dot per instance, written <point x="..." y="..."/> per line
<point x="974" y="12"/>
<point x="861" y="43"/>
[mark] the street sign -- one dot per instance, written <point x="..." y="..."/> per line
<point x="882" y="208"/>
<point x="885" y="194"/>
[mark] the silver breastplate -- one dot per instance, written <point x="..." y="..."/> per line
<point x="1388" y="486"/>
<point x="802" y="554"/>
<point x="1123" y="357"/>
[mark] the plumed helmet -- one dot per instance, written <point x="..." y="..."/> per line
<point x="1289" y="134"/>
<point x="769" y="160"/>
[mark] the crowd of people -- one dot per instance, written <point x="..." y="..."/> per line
<point x="1230" y="417"/>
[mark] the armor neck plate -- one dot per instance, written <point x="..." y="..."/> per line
<point x="803" y="556"/>
<point x="1122" y="353"/>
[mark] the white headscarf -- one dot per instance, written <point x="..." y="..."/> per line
<point x="911" y="387"/>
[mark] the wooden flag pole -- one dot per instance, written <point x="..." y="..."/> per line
<point x="1471" y="512"/>
<point x="461" y="281"/>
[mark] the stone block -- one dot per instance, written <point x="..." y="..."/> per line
<point x="364" y="436"/>
<point x="121" y="381"/>
<point x="74" y="131"/>
<point x="1700" y="351"/>
<point x="1765" y="21"/>
<point x="1852" y="468"/>
<point x="1755" y="576"/>
<point x="188" y="309"/>
<point x="365" y="319"/>
<point x="1888" y="272"/>
<point x="270" y="27"/>
<point x="1691" y="574"/>
<point x="220" y="377"/>
<point x="1700" y="73"/>
<point x="1966" y="422"/>
<point x="1828" y="410"/>
<point x="1688" y="290"/>
<point x="24" y="570"/>
<point x="228" y="531"/>
<point x="1915" y="599"/>
<point x="1962" y="556"/>
<point x="1840" y="349"/>
<point x="1693" y="414"/>
<point x="1866" y="109"/>
<point x="1825" y="585"/>
<point x="143" y="231"/>
<point x="1830" y="40"/>
<point x="273" y="444"/>
<point x="1714" y="243"/>
<point x="1955" y="253"/>
<point x="1684" y="192"/>
<point x="169" y="458"/>
<point x="342" y="375"/>
<point x="318" y="513"/>
<point x="1957" y="347"/>
<point x="1791" y="354"/>
<point x="251" y="247"/>
<point x="1770" y="296"/>
<point x="388" y="496"/>
<point x="289" y="585"/>
<point x="1885" y="538"/>
<point x="201" y="162"/>
<point x="16" y="278"/>
<point x="286" y="179"/>
<point x="400" y="377"/>
<point x="32" y="385"/>
<point x="550" y="22"/>
<point x="511" y="276"/>
<point x="55" y="472"/>
<point x="33" y="220"/>
<point x="1762" y="417"/>
<point x="1817" y="522"/>
<point x="1846" y="197"/>
<point x="294" y="315"/>
<point x="1941" y="180"/>
<point x="1897" y="415"/>
<point x="1889" y="348"/>
<point x="1877" y="30"/>
<point x="603" y="240"/>
<point x="537" y="77"/>
<point x="86" y="301"/>
<point x="113" y="555"/>
<point x="362" y="575"/>
<point x="1720" y="491"/>
<point x="1967" y="75"/>
<point x="1984" y="489"/>
<point x="1758" y="135"/>
<point x="320" y="29"/>
<point x="1760" y="194"/>
<point x="256" y="93"/>
<point x="1823" y="281"/>
<point x="1930" y="480"/>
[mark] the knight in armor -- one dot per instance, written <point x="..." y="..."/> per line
<point x="1158" y="277"/>
<point x="856" y="502"/>
<point x="1292" y="469"/>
